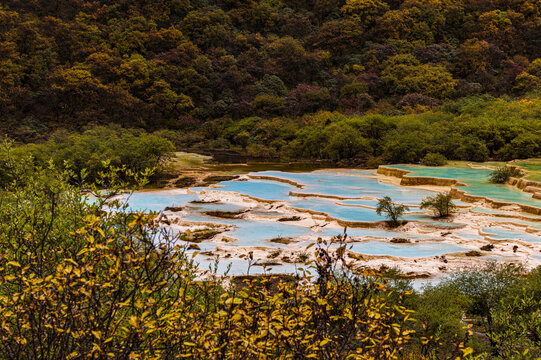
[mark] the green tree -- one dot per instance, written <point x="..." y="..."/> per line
<point x="392" y="212"/>
<point x="87" y="152"/>
<point x="441" y="204"/>
<point x="265" y="104"/>
<point x="344" y="142"/>
<point x="207" y="27"/>
<point x="473" y="149"/>
<point x="525" y="82"/>
<point x="365" y="11"/>
<point x="434" y="159"/>
<point x="405" y="75"/>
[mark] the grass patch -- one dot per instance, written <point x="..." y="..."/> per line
<point x="303" y="257"/>
<point x="267" y="263"/>
<point x="185" y="181"/>
<point x="282" y="240"/>
<point x="183" y="160"/>
<point x="204" y="202"/>
<point x="196" y="236"/>
<point x="290" y="218"/>
<point x="225" y="214"/>
<point x="219" y="178"/>
<point x="502" y="174"/>
<point x="400" y="241"/>
<point x="274" y="254"/>
<point x="393" y="225"/>
<point x="173" y="208"/>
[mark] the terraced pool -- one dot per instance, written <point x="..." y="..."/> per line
<point x="476" y="181"/>
<point x="321" y="199"/>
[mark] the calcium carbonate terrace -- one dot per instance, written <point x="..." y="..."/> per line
<point x="318" y="204"/>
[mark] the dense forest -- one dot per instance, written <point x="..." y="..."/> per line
<point x="217" y="73"/>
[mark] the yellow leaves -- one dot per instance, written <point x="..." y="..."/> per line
<point x="96" y="348"/>
<point x="77" y="272"/>
<point x="134" y="356"/>
<point x="73" y="355"/>
<point x="235" y="301"/>
<point x="13" y="263"/>
<point x="21" y="340"/>
<point x="133" y="321"/>
<point x="321" y="301"/>
<point x="100" y="231"/>
<point x="324" y="342"/>
<point x="467" y="351"/>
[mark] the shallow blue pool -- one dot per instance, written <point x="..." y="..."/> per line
<point x="405" y="250"/>
<point x="507" y="234"/>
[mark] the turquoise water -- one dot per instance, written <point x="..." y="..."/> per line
<point x="405" y="250"/>
<point x="371" y="203"/>
<point x="476" y="181"/>
<point x="506" y="220"/>
<point x="362" y="187"/>
<point x="347" y="213"/>
<point x="354" y="184"/>
<point x="253" y="233"/>
<point x="467" y="235"/>
<point x="490" y="211"/>
<point x="158" y="200"/>
<point x="507" y="234"/>
<point x="427" y="219"/>
<point x="240" y="267"/>
<point x="262" y="189"/>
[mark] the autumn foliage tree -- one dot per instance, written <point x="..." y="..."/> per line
<point x="162" y="64"/>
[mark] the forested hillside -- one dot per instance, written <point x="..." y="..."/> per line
<point x="178" y="64"/>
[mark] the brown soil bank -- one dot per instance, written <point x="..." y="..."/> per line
<point x="273" y="178"/>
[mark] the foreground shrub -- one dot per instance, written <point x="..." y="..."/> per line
<point x="77" y="282"/>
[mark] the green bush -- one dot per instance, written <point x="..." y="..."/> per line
<point x="441" y="204"/>
<point x="392" y="212"/>
<point x="95" y="148"/>
<point x="502" y="174"/>
<point x="434" y="159"/>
